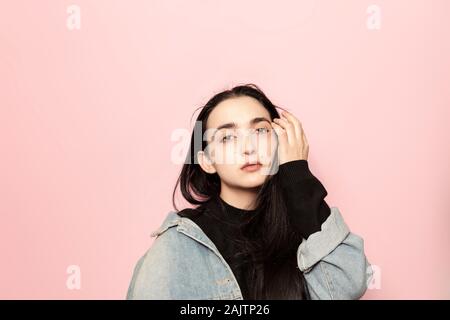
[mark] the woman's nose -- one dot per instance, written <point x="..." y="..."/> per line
<point x="249" y="143"/>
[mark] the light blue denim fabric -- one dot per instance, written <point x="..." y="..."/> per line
<point x="183" y="263"/>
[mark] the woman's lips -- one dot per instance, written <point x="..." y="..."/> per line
<point x="252" y="167"/>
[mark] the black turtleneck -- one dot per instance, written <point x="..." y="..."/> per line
<point x="220" y="224"/>
<point x="307" y="210"/>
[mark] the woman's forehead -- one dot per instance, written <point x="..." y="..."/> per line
<point x="241" y="111"/>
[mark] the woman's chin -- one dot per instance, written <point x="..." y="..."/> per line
<point x="253" y="182"/>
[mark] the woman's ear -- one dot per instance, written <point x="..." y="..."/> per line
<point x="205" y="162"/>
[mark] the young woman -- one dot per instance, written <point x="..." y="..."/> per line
<point x="260" y="228"/>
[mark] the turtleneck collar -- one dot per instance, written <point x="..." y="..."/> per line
<point x="227" y="212"/>
<point x="232" y="209"/>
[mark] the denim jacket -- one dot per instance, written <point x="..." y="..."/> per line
<point x="183" y="263"/>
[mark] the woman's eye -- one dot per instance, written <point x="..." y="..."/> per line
<point x="264" y="130"/>
<point x="226" y="138"/>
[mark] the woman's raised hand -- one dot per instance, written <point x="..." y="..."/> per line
<point x="292" y="143"/>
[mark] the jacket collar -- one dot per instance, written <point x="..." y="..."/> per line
<point x="172" y="219"/>
<point x="186" y="226"/>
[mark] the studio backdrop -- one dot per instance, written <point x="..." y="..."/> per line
<point x="96" y="100"/>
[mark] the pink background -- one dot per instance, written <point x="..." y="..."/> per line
<point x="86" y="118"/>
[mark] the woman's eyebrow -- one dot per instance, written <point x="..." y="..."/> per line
<point x="233" y="125"/>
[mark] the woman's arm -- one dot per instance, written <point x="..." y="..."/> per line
<point x="304" y="196"/>
<point x="330" y="256"/>
<point x="333" y="261"/>
<point x="151" y="276"/>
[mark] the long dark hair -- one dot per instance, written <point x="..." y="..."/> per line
<point x="268" y="245"/>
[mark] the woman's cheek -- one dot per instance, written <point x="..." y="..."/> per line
<point x="225" y="155"/>
<point x="267" y="148"/>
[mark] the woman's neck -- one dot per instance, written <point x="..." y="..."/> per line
<point x="242" y="198"/>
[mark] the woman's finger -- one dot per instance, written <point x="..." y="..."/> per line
<point x="288" y="127"/>
<point x="281" y="134"/>
<point x="305" y="150"/>
<point x="305" y="141"/>
<point x="295" y="122"/>
<point x="294" y="137"/>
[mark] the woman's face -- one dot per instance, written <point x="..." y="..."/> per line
<point x="239" y="131"/>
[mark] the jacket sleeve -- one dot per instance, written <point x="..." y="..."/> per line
<point x="333" y="261"/>
<point x="151" y="276"/>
